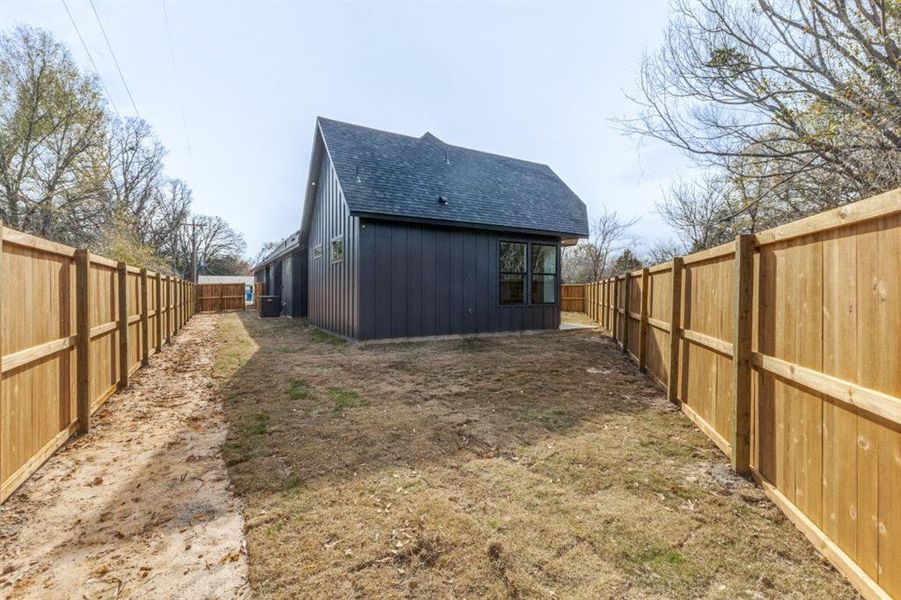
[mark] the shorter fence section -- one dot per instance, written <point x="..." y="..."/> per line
<point x="217" y="297"/>
<point x="572" y="297"/>
<point x="73" y="327"/>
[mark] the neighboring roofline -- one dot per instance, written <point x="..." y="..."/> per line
<point x="467" y="225"/>
<point x="278" y="252"/>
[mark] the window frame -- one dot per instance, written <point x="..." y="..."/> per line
<point x="337" y="238"/>
<point x="556" y="274"/>
<point x="527" y="297"/>
<point x="524" y="273"/>
<point x="317" y="251"/>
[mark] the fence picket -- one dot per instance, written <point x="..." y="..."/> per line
<point x="794" y="347"/>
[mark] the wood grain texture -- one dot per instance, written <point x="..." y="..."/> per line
<point x="70" y="335"/>
<point x="825" y="377"/>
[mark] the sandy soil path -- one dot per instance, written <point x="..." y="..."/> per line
<point x="142" y="507"/>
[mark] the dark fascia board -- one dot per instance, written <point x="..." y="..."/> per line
<point x="274" y="257"/>
<point x="565" y="235"/>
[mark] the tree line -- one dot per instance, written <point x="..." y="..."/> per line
<point x="787" y="107"/>
<point x="74" y="173"/>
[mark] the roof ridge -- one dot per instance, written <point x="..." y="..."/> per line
<point x="412" y="137"/>
<point x="426" y="135"/>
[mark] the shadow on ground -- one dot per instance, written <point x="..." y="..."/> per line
<point x="524" y="466"/>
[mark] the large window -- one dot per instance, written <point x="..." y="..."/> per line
<point x="544" y="274"/>
<point x="513" y="273"/>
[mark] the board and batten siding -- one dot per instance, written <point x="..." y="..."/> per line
<point x="421" y="280"/>
<point x="333" y="293"/>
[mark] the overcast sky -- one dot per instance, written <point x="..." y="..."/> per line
<point x="538" y="81"/>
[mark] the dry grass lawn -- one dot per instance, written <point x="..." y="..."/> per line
<point x="533" y="466"/>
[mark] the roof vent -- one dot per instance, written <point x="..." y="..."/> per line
<point x="446" y="157"/>
<point x="357" y="177"/>
<point x="442" y="200"/>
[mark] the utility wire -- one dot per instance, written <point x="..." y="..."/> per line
<point x="91" y="58"/>
<point x="118" y="68"/>
<point x="181" y="107"/>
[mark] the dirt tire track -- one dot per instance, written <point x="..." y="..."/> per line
<point x="141" y="507"/>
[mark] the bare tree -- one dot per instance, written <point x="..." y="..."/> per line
<point x="700" y="212"/>
<point x="134" y="161"/>
<point x="219" y="247"/>
<point x="662" y="251"/>
<point x="796" y="102"/>
<point x="590" y="260"/>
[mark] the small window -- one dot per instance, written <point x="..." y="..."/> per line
<point x="512" y="273"/>
<point x="338" y="248"/>
<point x="544" y="274"/>
<point x="317" y="251"/>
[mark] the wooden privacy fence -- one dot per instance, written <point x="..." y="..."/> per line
<point x="216" y="297"/>
<point x="572" y="297"/>
<point x="784" y="347"/>
<point x="73" y="327"/>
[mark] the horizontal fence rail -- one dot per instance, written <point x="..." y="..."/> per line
<point x="73" y="327"/>
<point x="784" y="348"/>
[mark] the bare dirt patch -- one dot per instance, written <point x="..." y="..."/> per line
<point x="529" y="466"/>
<point x="142" y="507"/>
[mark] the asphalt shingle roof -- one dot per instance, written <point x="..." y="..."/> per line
<point x="383" y="173"/>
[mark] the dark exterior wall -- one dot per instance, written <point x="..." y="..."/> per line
<point x="333" y="289"/>
<point x="418" y="280"/>
<point x="287" y="291"/>
<point x="259" y="276"/>
<point x="298" y="307"/>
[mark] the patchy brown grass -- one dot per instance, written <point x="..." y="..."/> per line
<point x="514" y="467"/>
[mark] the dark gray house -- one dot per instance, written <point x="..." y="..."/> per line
<point x="410" y="236"/>
<point x="283" y="273"/>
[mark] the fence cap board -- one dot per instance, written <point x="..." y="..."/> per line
<point x="661" y="268"/>
<point x="26" y="240"/>
<point x="883" y="205"/>
<point x="96" y="259"/>
<point x="727" y="249"/>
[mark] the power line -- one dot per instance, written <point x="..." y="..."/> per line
<point x="91" y="58"/>
<point x="118" y="68"/>
<point x="181" y="107"/>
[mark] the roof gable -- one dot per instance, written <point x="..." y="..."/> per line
<point x="384" y="174"/>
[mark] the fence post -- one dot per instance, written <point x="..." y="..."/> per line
<point x="1" y="320"/>
<point x="615" y="307"/>
<point x="741" y="354"/>
<point x="220" y="298"/>
<point x="627" y="297"/>
<point x="145" y="321"/>
<point x="83" y="338"/>
<point x="643" y="323"/>
<point x="159" y="312"/>
<point x="611" y="293"/>
<point x="122" y="297"/>
<point x="675" y="332"/>
<point x="168" y="309"/>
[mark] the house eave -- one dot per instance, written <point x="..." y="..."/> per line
<point x="569" y="236"/>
